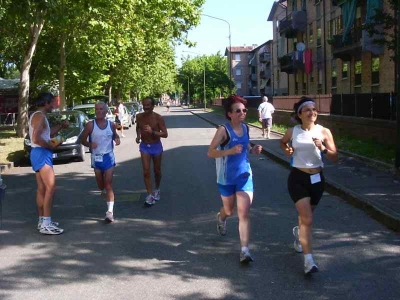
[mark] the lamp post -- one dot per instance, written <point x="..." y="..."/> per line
<point x="204" y="81"/>
<point x="230" y="46"/>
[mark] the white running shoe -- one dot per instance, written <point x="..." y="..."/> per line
<point x="123" y="135"/>
<point x="310" y="267"/>
<point x="245" y="257"/>
<point x="51" y="230"/>
<point x="149" y="201"/>
<point x="221" y="226"/>
<point x="296" y="244"/>
<point x="39" y="225"/>
<point x="156" y="195"/>
<point x="109" y="217"/>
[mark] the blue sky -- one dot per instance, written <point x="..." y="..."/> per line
<point x="248" y="22"/>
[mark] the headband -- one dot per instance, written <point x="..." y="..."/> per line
<point x="304" y="104"/>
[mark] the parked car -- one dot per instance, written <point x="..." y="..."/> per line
<point x="89" y="110"/>
<point x="127" y="121"/>
<point x="132" y="110"/>
<point x="71" y="147"/>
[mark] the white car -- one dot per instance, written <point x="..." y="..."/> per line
<point x="89" y="110"/>
<point x="127" y="120"/>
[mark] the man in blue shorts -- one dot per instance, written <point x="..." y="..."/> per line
<point x="99" y="135"/>
<point x="41" y="158"/>
<point x="150" y="127"/>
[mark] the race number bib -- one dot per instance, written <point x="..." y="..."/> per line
<point x="315" y="178"/>
<point x="98" y="158"/>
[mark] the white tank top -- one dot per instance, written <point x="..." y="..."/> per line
<point x="306" y="154"/>
<point x="45" y="133"/>
<point x="103" y="138"/>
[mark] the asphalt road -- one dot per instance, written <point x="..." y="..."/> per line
<point x="172" y="250"/>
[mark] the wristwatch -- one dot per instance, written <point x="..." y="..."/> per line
<point x="325" y="151"/>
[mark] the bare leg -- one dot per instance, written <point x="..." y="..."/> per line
<point x="305" y="211"/>
<point x="146" y="160"/>
<point x="108" y="178"/>
<point x="47" y="179"/>
<point x="244" y="200"/>
<point x="157" y="170"/>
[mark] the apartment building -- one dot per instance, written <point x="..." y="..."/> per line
<point x="238" y="61"/>
<point x="321" y="48"/>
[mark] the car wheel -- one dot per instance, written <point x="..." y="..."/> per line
<point x="82" y="155"/>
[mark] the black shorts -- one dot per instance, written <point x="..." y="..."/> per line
<point x="300" y="186"/>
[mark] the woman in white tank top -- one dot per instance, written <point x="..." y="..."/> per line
<point x="306" y="144"/>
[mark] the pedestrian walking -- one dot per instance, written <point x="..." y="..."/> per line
<point x="121" y="117"/>
<point x="99" y="135"/>
<point x="230" y="147"/>
<point x="150" y="128"/>
<point x="41" y="157"/>
<point x="307" y="144"/>
<point x="168" y="105"/>
<point x="265" y="111"/>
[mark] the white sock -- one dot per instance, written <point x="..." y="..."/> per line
<point x="308" y="258"/>
<point x="245" y="249"/>
<point x="110" y="206"/>
<point x="40" y="219"/>
<point x="46" y="221"/>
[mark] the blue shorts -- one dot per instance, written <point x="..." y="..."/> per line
<point x="39" y="157"/>
<point x="103" y="162"/>
<point x="244" y="184"/>
<point x="151" y="149"/>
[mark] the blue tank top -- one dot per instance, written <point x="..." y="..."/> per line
<point x="230" y="168"/>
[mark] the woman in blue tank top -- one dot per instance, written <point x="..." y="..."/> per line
<point x="307" y="144"/>
<point x="230" y="148"/>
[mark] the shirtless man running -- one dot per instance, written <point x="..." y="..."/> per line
<point x="150" y="127"/>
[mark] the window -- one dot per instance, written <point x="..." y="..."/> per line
<point x="357" y="73"/>
<point x="296" y="83"/>
<point x="334" y="73"/>
<point x="237" y="56"/>
<point x="238" y="71"/>
<point x="375" y="63"/>
<point x="319" y="33"/>
<point x="310" y="33"/>
<point x="238" y="84"/>
<point x="345" y="68"/>
<point x="303" y="5"/>
<point x="277" y="75"/>
<point x="318" y="10"/>
<point x="319" y="76"/>
<point x="312" y="76"/>
<point x="294" y="5"/>
<point x="304" y="92"/>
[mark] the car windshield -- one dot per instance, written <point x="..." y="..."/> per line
<point x="73" y="119"/>
<point x="89" y="111"/>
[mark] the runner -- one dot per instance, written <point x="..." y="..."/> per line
<point x="150" y="127"/>
<point x="99" y="135"/>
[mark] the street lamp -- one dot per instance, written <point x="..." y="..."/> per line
<point x="204" y="81"/>
<point x="230" y="46"/>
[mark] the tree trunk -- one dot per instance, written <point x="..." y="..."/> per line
<point x="61" y="77"/>
<point x="23" y="92"/>
<point x="110" y="95"/>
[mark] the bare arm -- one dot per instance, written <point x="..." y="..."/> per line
<point x="219" y="138"/>
<point x="138" y="135"/>
<point x="85" y="134"/>
<point x="330" y="146"/>
<point x="115" y="134"/>
<point x="284" y="142"/>
<point x="163" y="133"/>
<point x="38" y="124"/>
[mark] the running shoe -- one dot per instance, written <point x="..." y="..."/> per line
<point x="149" y="201"/>
<point x="39" y="225"/>
<point x="221" y="226"/>
<point x="296" y="244"/>
<point x="51" y="230"/>
<point x="245" y="257"/>
<point x="156" y="195"/>
<point x="109" y="217"/>
<point x="310" y="267"/>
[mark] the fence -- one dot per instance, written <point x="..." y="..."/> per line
<point x="8" y="119"/>
<point x="376" y="106"/>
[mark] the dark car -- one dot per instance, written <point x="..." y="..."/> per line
<point x="71" y="147"/>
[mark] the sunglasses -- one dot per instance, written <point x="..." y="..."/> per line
<point x="244" y="110"/>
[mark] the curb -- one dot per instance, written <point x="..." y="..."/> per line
<point x="355" y="199"/>
<point x="5" y="167"/>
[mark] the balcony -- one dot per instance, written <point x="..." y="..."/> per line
<point x="349" y="48"/>
<point x="291" y="62"/>
<point x="265" y="57"/>
<point x="293" y="23"/>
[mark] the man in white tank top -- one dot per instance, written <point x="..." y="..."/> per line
<point x="99" y="135"/>
<point x="41" y="157"/>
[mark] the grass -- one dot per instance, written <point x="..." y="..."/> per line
<point x="364" y="147"/>
<point x="11" y="147"/>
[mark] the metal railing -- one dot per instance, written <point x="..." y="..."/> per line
<point x="8" y="119"/>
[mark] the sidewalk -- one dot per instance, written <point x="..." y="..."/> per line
<point x="369" y="188"/>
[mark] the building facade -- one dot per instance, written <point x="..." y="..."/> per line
<point x="322" y="49"/>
